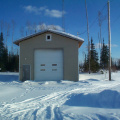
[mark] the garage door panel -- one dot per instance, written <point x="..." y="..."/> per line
<point x="48" y="64"/>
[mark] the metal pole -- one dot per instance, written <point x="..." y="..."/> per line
<point x="109" y="36"/>
<point x="88" y="36"/>
<point x="63" y="19"/>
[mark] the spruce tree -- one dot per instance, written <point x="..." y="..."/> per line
<point x="7" y="62"/>
<point x="13" y="62"/>
<point x="104" y="56"/>
<point x="113" y="65"/>
<point x="5" y="59"/>
<point x="17" y="62"/>
<point x="85" y="65"/>
<point x="118" y="64"/>
<point x="94" y="65"/>
<point x="1" y="51"/>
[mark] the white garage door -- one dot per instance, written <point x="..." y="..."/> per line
<point x="48" y="64"/>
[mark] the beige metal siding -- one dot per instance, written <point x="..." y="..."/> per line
<point x="70" y="56"/>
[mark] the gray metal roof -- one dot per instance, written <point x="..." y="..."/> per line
<point x="52" y="31"/>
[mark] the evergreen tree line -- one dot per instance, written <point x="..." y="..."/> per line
<point x="8" y="60"/>
<point x="97" y="63"/>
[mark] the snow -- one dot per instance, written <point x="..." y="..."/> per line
<point x="93" y="97"/>
<point x="66" y="34"/>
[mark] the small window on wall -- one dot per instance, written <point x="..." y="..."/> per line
<point x="48" y="37"/>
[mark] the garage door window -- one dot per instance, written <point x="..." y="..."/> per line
<point x="42" y="65"/>
<point x="54" y="69"/>
<point x="42" y="70"/>
<point x="54" y="64"/>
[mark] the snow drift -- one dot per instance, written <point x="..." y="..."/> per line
<point x="104" y="99"/>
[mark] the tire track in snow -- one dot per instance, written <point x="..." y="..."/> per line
<point x="13" y="100"/>
<point x="44" y="107"/>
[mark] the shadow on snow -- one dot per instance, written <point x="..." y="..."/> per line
<point x="9" y="78"/>
<point x="104" y="99"/>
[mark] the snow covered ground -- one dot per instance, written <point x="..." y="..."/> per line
<point x="92" y="98"/>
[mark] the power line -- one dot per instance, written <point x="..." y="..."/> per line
<point x="111" y="1"/>
<point x="116" y="19"/>
<point x="91" y="25"/>
<point x="113" y="22"/>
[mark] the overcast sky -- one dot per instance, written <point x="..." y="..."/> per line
<point x="49" y="12"/>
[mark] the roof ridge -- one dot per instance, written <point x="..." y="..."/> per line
<point x="53" y="31"/>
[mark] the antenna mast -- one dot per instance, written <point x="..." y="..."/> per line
<point x="109" y="37"/>
<point x="63" y="19"/>
<point x="88" y="36"/>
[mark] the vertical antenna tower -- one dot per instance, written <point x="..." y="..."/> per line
<point x="100" y="24"/>
<point x="109" y="37"/>
<point x="88" y="36"/>
<point x="63" y="19"/>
